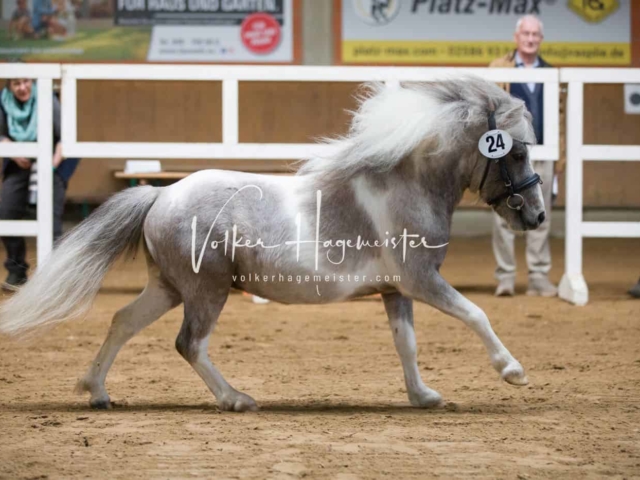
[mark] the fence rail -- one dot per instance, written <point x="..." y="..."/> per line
<point x="230" y="76"/>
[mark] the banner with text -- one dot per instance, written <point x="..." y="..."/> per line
<point x="246" y="31"/>
<point x="474" y="32"/>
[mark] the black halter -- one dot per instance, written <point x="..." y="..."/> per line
<point x="513" y="191"/>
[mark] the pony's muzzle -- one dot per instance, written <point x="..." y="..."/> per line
<point x="541" y="218"/>
<point x="536" y="221"/>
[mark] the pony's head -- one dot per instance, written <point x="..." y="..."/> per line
<point x="511" y="187"/>
<point x="493" y="129"/>
<point x="508" y="183"/>
<point x="438" y="125"/>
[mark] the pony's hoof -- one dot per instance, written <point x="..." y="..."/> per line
<point x="238" y="402"/>
<point x="425" y="399"/>
<point x="101" y="404"/>
<point x="514" y="375"/>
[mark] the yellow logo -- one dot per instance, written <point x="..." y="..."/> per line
<point x="594" y="10"/>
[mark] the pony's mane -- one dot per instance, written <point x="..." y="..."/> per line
<point x="390" y="122"/>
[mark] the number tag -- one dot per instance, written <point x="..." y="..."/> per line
<point x="495" y="144"/>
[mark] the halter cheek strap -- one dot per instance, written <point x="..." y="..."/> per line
<point x="492" y="120"/>
<point x="492" y="126"/>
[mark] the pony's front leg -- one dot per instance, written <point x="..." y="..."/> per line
<point x="439" y="294"/>
<point x="400" y="313"/>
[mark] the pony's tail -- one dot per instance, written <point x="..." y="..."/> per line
<point x="66" y="284"/>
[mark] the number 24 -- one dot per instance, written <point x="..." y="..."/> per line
<point x="495" y="143"/>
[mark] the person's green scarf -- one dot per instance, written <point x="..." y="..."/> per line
<point x="22" y="118"/>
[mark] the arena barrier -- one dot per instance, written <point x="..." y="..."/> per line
<point x="230" y="76"/>
<point x="573" y="287"/>
<point x="42" y="149"/>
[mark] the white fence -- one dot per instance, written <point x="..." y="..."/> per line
<point x="230" y="76"/>
<point x="42" y="149"/>
<point x="573" y="287"/>
<point x="230" y="148"/>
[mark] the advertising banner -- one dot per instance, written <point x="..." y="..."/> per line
<point x="474" y="32"/>
<point x="227" y="31"/>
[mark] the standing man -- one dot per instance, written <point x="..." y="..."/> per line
<point x="528" y="37"/>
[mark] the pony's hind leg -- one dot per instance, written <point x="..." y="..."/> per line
<point x="400" y="312"/>
<point x="200" y="317"/>
<point x="156" y="299"/>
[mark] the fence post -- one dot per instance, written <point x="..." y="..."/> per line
<point x="230" y="111"/>
<point x="45" y="169"/>
<point x="573" y="288"/>
<point x="69" y="113"/>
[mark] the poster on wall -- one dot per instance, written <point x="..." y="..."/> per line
<point x="474" y="32"/>
<point x="224" y="31"/>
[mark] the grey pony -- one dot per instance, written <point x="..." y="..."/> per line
<point x="378" y="208"/>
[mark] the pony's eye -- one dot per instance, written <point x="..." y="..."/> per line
<point x="519" y="156"/>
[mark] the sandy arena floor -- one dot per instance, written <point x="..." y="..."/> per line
<point x="331" y="390"/>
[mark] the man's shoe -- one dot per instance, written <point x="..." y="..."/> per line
<point x="541" y="287"/>
<point x="635" y="291"/>
<point x="14" y="281"/>
<point x="506" y="287"/>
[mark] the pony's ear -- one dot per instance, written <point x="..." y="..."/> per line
<point x="512" y="119"/>
<point x="515" y="114"/>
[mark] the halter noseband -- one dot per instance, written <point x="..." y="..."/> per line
<point x="513" y="191"/>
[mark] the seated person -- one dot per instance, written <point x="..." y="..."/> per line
<point x="44" y="21"/>
<point x="66" y="20"/>
<point x="18" y="123"/>
<point x="20" y="25"/>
